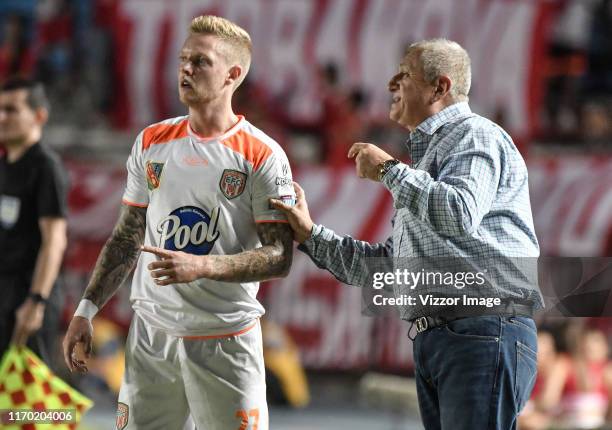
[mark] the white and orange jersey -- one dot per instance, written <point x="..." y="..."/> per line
<point x="203" y="195"/>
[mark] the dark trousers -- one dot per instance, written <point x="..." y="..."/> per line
<point x="475" y="373"/>
<point x="14" y="289"/>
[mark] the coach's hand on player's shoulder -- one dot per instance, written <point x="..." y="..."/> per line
<point x="77" y="344"/>
<point x="298" y="214"/>
<point x="175" y="267"/>
<point x="368" y="158"/>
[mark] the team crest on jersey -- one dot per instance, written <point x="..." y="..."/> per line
<point x="123" y="412"/>
<point x="154" y="172"/>
<point x="232" y="183"/>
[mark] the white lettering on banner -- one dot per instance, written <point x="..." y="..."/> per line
<point x="286" y="43"/>
<point x="572" y="203"/>
<point x="291" y="36"/>
<point x="335" y="25"/>
<point x="383" y="39"/>
<point x="147" y="17"/>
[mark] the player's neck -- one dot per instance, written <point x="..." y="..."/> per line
<point x="15" y="150"/>
<point x="211" y="121"/>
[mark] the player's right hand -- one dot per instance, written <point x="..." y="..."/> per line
<point x="77" y="344"/>
<point x="298" y="215"/>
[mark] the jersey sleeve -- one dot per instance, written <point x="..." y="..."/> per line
<point x="52" y="189"/>
<point x="136" y="192"/>
<point x="272" y="180"/>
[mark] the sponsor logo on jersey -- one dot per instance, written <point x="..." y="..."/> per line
<point x="281" y="182"/>
<point x="9" y="210"/>
<point x="232" y="183"/>
<point x="154" y="172"/>
<point x="123" y="412"/>
<point x="189" y="229"/>
<point x="195" y="161"/>
<point x="288" y="200"/>
<point x="285" y="169"/>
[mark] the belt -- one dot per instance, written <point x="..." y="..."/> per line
<point x="428" y="322"/>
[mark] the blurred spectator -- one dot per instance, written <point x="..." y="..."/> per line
<point x="599" y="76"/>
<point x="15" y="51"/>
<point x="579" y="73"/>
<point x="586" y="379"/>
<point x="572" y="390"/>
<point x="537" y="414"/>
<point x="596" y="121"/>
<point x="566" y="66"/>
<point x="342" y="122"/>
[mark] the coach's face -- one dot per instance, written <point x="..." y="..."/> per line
<point x="17" y="118"/>
<point x="410" y="93"/>
<point x="203" y="70"/>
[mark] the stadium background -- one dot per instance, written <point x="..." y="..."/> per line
<point x="542" y="69"/>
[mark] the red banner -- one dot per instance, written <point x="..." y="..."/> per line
<point x="365" y="38"/>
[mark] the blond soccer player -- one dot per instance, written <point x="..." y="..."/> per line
<point x="197" y="199"/>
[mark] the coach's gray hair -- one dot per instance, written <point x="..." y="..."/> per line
<point x="445" y="57"/>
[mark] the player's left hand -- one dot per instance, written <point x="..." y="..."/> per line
<point x="367" y="159"/>
<point x="175" y="267"/>
<point x="28" y="319"/>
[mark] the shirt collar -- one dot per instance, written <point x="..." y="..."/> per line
<point x="446" y="115"/>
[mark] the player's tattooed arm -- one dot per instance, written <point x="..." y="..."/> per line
<point x="118" y="255"/>
<point x="271" y="260"/>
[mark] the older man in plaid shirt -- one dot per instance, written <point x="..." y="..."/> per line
<point x="464" y="197"/>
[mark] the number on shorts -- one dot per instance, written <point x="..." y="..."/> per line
<point x="246" y="417"/>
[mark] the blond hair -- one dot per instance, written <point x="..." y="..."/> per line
<point x="235" y="38"/>
<point x="444" y="57"/>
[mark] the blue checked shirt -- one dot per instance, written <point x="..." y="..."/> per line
<point x="464" y="196"/>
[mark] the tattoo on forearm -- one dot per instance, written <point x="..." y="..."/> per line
<point x="118" y="255"/>
<point x="271" y="260"/>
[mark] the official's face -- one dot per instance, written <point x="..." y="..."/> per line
<point x="17" y="118"/>
<point x="203" y="69"/>
<point x="410" y="93"/>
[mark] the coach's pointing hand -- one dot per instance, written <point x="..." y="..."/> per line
<point x="368" y="158"/>
<point x="175" y="267"/>
<point x="298" y="215"/>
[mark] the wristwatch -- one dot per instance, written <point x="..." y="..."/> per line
<point x="385" y="166"/>
<point x="37" y="298"/>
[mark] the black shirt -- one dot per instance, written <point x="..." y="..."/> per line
<point x="32" y="187"/>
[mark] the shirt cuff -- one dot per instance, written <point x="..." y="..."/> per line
<point x="308" y="246"/>
<point x="391" y="179"/>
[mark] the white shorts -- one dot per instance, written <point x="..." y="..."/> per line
<point x="220" y="381"/>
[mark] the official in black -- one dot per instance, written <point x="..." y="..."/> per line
<point x="33" y="190"/>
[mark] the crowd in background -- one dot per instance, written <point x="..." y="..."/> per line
<point x="574" y="379"/>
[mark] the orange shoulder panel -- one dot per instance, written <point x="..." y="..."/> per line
<point x="251" y="148"/>
<point x="163" y="133"/>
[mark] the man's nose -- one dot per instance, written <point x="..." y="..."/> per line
<point x="393" y="85"/>
<point x="187" y="68"/>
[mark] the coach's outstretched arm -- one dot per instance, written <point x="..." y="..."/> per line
<point x="115" y="262"/>
<point x="271" y="260"/>
<point x="349" y="260"/>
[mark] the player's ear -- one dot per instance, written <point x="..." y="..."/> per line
<point x="234" y="74"/>
<point x="42" y="115"/>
